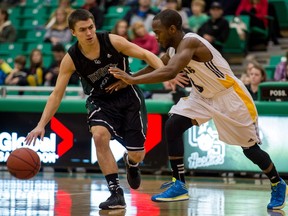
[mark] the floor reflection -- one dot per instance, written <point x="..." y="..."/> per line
<point x="80" y="194"/>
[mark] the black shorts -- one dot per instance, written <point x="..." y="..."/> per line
<point x="123" y="113"/>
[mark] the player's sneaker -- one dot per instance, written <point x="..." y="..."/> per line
<point x="115" y="201"/>
<point x="168" y="184"/>
<point x="176" y="192"/>
<point x="133" y="173"/>
<point x="278" y="195"/>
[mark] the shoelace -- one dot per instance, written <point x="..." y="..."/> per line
<point x="168" y="184"/>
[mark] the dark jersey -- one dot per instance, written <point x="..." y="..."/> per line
<point x="94" y="74"/>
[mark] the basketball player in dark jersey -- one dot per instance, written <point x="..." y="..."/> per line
<point x="117" y="112"/>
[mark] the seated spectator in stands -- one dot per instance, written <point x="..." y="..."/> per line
<point x="177" y="5"/>
<point x="59" y="32"/>
<point x="92" y="6"/>
<point x="198" y="17"/>
<point x="257" y="75"/>
<point x="52" y="72"/>
<point x="7" y="31"/>
<point x="257" y="11"/>
<point x="18" y="75"/>
<point x="4" y="71"/>
<point x="250" y="63"/>
<point x="142" y="38"/>
<point x="64" y="4"/>
<point x="240" y="27"/>
<point x="142" y="12"/>
<point x="216" y="29"/>
<point x="36" y="69"/>
<point x="281" y="71"/>
<point x="121" y="28"/>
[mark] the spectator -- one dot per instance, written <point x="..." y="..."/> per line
<point x="18" y="75"/>
<point x="51" y="75"/>
<point x="59" y="32"/>
<point x="7" y="31"/>
<point x="142" y="12"/>
<point x="216" y="29"/>
<point x="281" y="71"/>
<point x="198" y="17"/>
<point x="257" y="75"/>
<point x="143" y="39"/>
<point x="121" y="28"/>
<point x="177" y="5"/>
<point x="4" y="71"/>
<point x="251" y="62"/>
<point x="92" y="6"/>
<point x="257" y="11"/>
<point x="36" y="69"/>
<point x="64" y="4"/>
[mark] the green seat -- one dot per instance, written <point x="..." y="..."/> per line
<point x="78" y="3"/>
<point x="33" y="12"/>
<point x="44" y="47"/>
<point x="32" y="24"/>
<point x="8" y="51"/>
<point x="32" y="36"/>
<point x="109" y="22"/>
<point x="117" y="11"/>
<point x="135" y="64"/>
<point x="33" y="3"/>
<point x="281" y="8"/>
<point x="234" y="44"/>
<point x="270" y="68"/>
<point x="9" y="48"/>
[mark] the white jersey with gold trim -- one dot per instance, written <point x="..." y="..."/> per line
<point x="212" y="77"/>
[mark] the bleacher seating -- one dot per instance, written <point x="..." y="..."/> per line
<point x="281" y="7"/>
<point x="270" y="68"/>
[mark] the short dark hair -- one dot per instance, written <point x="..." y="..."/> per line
<point x="79" y="15"/>
<point x="169" y="17"/>
<point x="5" y="13"/>
<point x="58" y="48"/>
<point x="20" y="59"/>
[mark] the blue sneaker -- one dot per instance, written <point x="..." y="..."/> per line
<point x="278" y="195"/>
<point x="168" y="184"/>
<point x="176" y="192"/>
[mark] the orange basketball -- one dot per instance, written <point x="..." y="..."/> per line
<point x="23" y="163"/>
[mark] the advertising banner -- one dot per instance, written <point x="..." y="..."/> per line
<point x="204" y="150"/>
<point x="68" y="142"/>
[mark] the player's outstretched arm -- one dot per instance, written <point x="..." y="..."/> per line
<point x="54" y="100"/>
<point x="177" y="63"/>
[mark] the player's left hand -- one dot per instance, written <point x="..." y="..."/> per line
<point x="116" y="86"/>
<point x="181" y="80"/>
<point x="120" y="74"/>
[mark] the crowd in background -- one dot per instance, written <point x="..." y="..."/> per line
<point x="204" y="17"/>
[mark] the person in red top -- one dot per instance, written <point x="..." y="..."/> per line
<point x="258" y="12"/>
<point x="143" y="39"/>
<point x="257" y="9"/>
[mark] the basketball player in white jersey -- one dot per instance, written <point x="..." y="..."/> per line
<point x="216" y="94"/>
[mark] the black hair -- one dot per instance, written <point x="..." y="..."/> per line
<point x="58" y="48"/>
<point x="79" y="15"/>
<point x="168" y="18"/>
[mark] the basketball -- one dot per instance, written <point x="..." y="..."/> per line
<point x="23" y="163"/>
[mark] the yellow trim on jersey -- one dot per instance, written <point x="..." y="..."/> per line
<point x="229" y="82"/>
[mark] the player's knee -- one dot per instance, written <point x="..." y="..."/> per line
<point x="101" y="140"/>
<point x="257" y="156"/>
<point x="176" y="125"/>
<point x="136" y="156"/>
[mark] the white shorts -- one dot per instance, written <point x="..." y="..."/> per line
<point x="234" y="115"/>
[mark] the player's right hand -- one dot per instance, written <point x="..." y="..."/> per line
<point x="34" y="134"/>
<point x="120" y="74"/>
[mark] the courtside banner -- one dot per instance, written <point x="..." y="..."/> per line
<point x="68" y="143"/>
<point x="204" y="150"/>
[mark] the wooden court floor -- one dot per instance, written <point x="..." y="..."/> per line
<point x="79" y="194"/>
